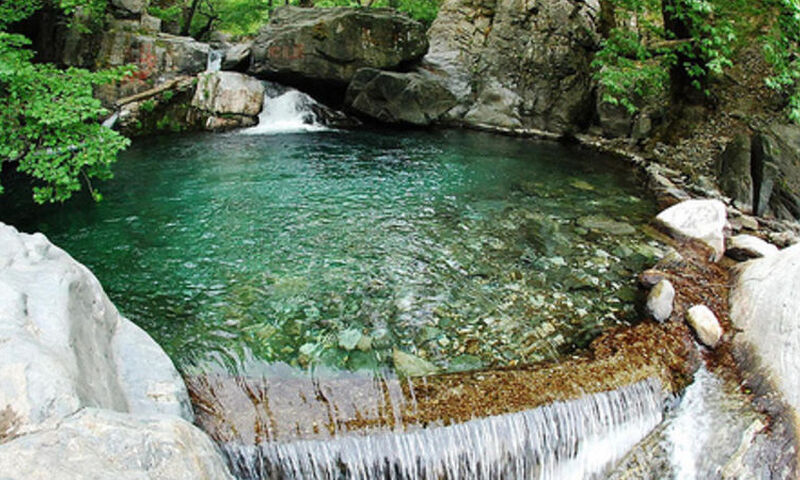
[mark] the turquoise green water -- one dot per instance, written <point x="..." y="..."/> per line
<point x="466" y="249"/>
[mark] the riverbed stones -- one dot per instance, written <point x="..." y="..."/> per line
<point x="395" y="97"/>
<point x="764" y="309"/>
<point x="226" y="100"/>
<point x="705" y="325"/>
<point x="660" y="301"/>
<point x="776" y="171"/>
<point x="702" y="220"/>
<point x="299" y="45"/>
<point x="744" y="247"/>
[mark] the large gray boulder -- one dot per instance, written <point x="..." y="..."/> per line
<point x="776" y="171"/>
<point x="64" y="346"/>
<point x="393" y="97"/>
<point x="764" y="309"/>
<point x="332" y="44"/>
<point x="65" y="350"/>
<point x="515" y="64"/>
<point x="227" y="98"/>
<point x="703" y="220"/>
<point x="734" y="172"/>
<point x="101" y="444"/>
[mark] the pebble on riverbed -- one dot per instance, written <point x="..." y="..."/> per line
<point x="705" y="325"/>
<point x="659" y="301"/>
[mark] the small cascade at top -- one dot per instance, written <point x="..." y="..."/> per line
<point x="214" y="61"/>
<point x="575" y="439"/>
<point x="286" y="110"/>
<point x="111" y="120"/>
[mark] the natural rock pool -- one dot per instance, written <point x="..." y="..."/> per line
<point x="344" y="249"/>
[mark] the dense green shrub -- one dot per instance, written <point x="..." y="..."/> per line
<point x="49" y="126"/>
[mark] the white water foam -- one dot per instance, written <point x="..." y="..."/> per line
<point x="286" y="112"/>
<point x="577" y="439"/>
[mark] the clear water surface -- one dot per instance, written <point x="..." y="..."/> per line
<point x="336" y="248"/>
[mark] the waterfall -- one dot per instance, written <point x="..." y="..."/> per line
<point x="285" y="111"/>
<point x="111" y="121"/>
<point x="214" y="61"/>
<point x="575" y="439"/>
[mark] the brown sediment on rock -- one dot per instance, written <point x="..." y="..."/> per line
<point x="249" y="411"/>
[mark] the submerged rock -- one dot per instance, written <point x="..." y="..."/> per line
<point x="702" y="220"/>
<point x="764" y="308"/>
<point x="660" y="301"/>
<point x="332" y="44"/>
<point x="409" y="365"/>
<point x="705" y="325"/>
<point x="603" y="224"/>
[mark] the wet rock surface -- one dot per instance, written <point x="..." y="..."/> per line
<point x="764" y="307"/>
<point x="332" y="44"/>
<point x="776" y="171"/>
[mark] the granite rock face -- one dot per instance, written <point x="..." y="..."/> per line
<point x="101" y="444"/>
<point x="158" y="57"/>
<point x="79" y="383"/>
<point x="702" y="220"/>
<point x="64" y="346"/>
<point x="776" y="171"/>
<point x="734" y="172"/>
<point x="514" y="64"/>
<point x="230" y="96"/>
<point x="393" y="97"/>
<point x="764" y="306"/>
<point x="331" y="44"/>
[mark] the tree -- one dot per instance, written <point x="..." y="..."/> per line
<point x="49" y="124"/>
<point x="681" y="45"/>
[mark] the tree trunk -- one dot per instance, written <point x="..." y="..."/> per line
<point x="607" y="21"/>
<point x="678" y="29"/>
<point x="188" y="16"/>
